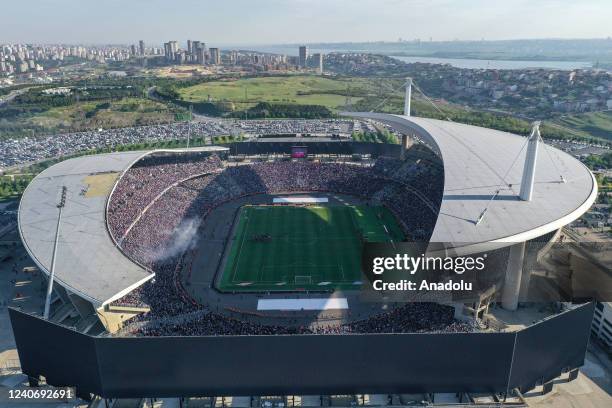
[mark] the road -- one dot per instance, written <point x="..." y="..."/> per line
<point x="12" y="95"/>
<point x="196" y="116"/>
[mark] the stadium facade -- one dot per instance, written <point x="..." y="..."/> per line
<point x="478" y="205"/>
<point x="482" y="170"/>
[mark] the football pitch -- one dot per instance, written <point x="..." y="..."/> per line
<point x="290" y="248"/>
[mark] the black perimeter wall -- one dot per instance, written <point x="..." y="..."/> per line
<point x="301" y="364"/>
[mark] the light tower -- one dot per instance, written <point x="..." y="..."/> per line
<point x="531" y="157"/>
<point x="408" y="97"/>
<point x="60" y="206"/>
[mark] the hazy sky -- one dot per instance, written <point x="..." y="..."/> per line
<point x="291" y="21"/>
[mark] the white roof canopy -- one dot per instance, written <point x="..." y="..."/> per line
<point x="88" y="263"/>
<point x="480" y="161"/>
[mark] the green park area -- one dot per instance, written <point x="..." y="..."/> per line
<point x="23" y="120"/>
<point x="109" y="114"/>
<point x="592" y="124"/>
<point x="298" y="89"/>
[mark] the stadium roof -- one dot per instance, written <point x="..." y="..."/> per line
<point x="479" y="161"/>
<point x="476" y="160"/>
<point x="87" y="263"/>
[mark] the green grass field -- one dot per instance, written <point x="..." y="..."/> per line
<point x="597" y="124"/>
<point x="299" y="89"/>
<point x="303" y="248"/>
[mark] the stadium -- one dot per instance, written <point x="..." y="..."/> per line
<point x="250" y="253"/>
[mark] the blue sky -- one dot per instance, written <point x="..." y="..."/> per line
<point x="294" y="21"/>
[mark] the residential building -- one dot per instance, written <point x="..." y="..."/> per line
<point x="303" y="56"/>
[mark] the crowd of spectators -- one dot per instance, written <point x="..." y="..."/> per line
<point x="163" y="233"/>
<point x="410" y="318"/>
<point x="148" y="178"/>
<point x="421" y="173"/>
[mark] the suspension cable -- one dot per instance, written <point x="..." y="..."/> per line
<point x="494" y="196"/>
<point x="431" y="102"/>
<point x="458" y="140"/>
<point x="388" y="97"/>
<point x="468" y="148"/>
<point x="562" y="179"/>
<point x="501" y="177"/>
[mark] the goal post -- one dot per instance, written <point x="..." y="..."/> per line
<point x="303" y="279"/>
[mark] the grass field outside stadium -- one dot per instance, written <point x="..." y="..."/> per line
<point x="287" y="248"/>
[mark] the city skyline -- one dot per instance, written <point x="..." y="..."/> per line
<point x="301" y="21"/>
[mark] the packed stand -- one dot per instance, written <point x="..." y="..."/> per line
<point x="148" y="178"/>
<point x="168" y="228"/>
<point x="410" y="318"/>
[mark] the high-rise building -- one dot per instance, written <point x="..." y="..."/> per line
<point x="189" y="47"/>
<point x="233" y="57"/>
<point x="303" y="56"/>
<point x="170" y="49"/>
<point x="215" y="56"/>
<point x="195" y="52"/>
<point x="201" y="55"/>
<point x="318" y="62"/>
<point x="141" y="46"/>
<point x="173" y="46"/>
<point x="133" y="50"/>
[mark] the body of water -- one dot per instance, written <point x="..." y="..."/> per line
<point x="469" y="63"/>
<point x="498" y="64"/>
